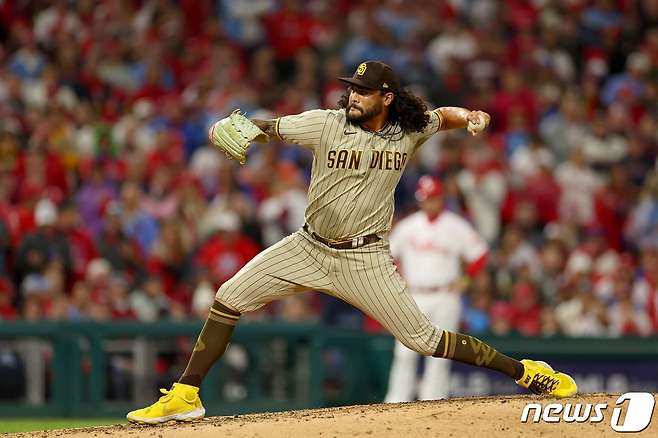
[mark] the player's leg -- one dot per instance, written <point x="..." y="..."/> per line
<point x="402" y="378"/>
<point x="283" y="269"/>
<point x="402" y="381"/>
<point x="369" y="281"/>
<point x="373" y="285"/>
<point x="444" y="310"/>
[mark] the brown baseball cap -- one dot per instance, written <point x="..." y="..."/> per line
<point x="374" y="75"/>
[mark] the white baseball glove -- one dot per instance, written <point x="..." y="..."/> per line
<point x="233" y="135"/>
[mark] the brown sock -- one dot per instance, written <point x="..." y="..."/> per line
<point x="467" y="349"/>
<point x="211" y="343"/>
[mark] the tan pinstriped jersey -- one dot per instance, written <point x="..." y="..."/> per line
<point x="354" y="172"/>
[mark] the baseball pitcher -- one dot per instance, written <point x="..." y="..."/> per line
<point x="359" y="153"/>
<point x="430" y="247"/>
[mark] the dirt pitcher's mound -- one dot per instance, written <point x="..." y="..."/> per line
<point x="468" y="417"/>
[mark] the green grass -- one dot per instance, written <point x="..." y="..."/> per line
<point x="10" y="425"/>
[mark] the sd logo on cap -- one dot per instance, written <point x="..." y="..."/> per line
<point x="374" y="75"/>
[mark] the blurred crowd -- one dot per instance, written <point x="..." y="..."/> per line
<point x="113" y="205"/>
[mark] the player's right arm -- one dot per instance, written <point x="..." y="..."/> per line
<point x="453" y="117"/>
<point x="304" y="129"/>
<point x="474" y="253"/>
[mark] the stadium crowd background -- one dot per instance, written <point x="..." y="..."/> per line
<point x="113" y="206"/>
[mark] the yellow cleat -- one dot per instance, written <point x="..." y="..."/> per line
<point x="540" y="378"/>
<point x="181" y="403"/>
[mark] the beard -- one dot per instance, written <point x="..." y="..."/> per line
<point x="363" y="116"/>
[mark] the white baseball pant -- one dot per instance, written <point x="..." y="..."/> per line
<point x="444" y="309"/>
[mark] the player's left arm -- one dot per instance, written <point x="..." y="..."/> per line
<point x="267" y="126"/>
<point x="474" y="254"/>
<point x="453" y="117"/>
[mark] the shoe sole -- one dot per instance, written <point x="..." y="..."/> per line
<point x="195" y="414"/>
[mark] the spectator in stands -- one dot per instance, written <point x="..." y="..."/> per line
<point x="628" y="318"/>
<point x="549" y="324"/>
<point x="602" y="147"/>
<point x="35" y="297"/>
<point x="643" y="218"/>
<point x="612" y="205"/>
<point x="227" y="249"/>
<point x="80" y="305"/>
<point x="136" y="222"/>
<point x="7" y="308"/>
<point x="514" y="254"/>
<point x="501" y="315"/>
<point x="45" y="245"/>
<point x="119" y="298"/>
<point x="96" y="192"/>
<point x="104" y="113"/>
<point x="483" y="185"/>
<point x="644" y="295"/>
<point x="476" y="309"/>
<point x="525" y="307"/>
<point x="563" y="130"/>
<point x="578" y="184"/>
<point x="5" y="246"/>
<point x="552" y="259"/>
<point x="98" y="275"/>
<point x="149" y="302"/>
<point x="203" y="294"/>
<point x="283" y="211"/>
<point x="79" y="238"/>
<point x="629" y="83"/>
<point x="580" y="312"/>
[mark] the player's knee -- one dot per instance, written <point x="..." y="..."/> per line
<point x="424" y="344"/>
<point x="426" y="349"/>
<point x="225" y="295"/>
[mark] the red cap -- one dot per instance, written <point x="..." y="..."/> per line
<point x="428" y="186"/>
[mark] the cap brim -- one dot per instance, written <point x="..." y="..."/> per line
<point x="356" y="81"/>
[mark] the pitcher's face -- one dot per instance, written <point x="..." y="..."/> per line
<point x="364" y="104"/>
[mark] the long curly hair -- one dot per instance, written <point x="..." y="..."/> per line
<point x="407" y="110"/>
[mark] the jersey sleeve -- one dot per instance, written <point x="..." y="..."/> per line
<point x="304" y="129"/>
<point x="473" y="245"/>
<point x="433" y="126"/>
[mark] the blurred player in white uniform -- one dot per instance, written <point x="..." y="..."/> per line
<point x="430" y="247"/>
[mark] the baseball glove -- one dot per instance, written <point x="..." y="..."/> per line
<point x="233" y="134"/>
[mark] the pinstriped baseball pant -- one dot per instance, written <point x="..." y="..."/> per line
<point x="363" y="277"/>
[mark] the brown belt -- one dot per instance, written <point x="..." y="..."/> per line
<point x="344" y="244"/>
<point x="430" y="289"/>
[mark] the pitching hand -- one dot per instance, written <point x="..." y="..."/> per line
<point x="477" y="121"/>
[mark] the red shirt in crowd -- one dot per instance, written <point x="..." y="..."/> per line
<point x="288" y="32"/>
<point x="224" y="257"/>
<point x="525" y="310"/>
<point x="83" y="250"/>
<point x="505" y="102"/>
<point x="7" y="311"/>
